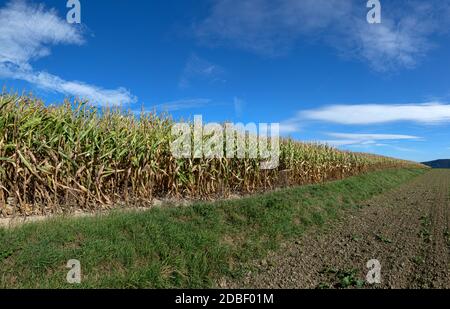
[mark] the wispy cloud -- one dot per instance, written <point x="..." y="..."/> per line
<point x="369" y="140"/>
<point x="239" y="105"/>
<point x="349" y="142"/>
<point x="426" y="113"/>
<point x="272" y="27"/>
<point x="289" y="127"/>
<point x="362" y="137"/>
<point x="27" y="32"/>
<point x="49" y="82"/>
<point x="197" y="68"/>
<point x="265" y="26"/>
<point x="177" y="105"/>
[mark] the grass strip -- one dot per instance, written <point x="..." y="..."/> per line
<point x="178" y="247"/>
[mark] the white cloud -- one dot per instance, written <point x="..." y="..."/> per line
<point x="357" y="136"/>
<point x="181" y="104"/>
<point x="27" y="32"/>
<point x="197" y="68"/>
<point x="266" y="26"/>
<point x="389" y="45"/>
<point x="403" y="38"/>
<point x="347" y="142"/>
<point x="289" y="127"/>
<point x="51" y="82"/>
<point x="426" y="113"/>
<point x="272" y="27"/>
<point x="357" y="140"/>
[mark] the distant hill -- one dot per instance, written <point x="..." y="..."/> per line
<point x="438" y="163"/>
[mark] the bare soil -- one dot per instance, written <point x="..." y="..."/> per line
<point x="406" y="229"/>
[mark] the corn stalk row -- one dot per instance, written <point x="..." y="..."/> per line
<point x="57" y="159"/>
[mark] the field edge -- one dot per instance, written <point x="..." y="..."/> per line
<point x="187" y="247"/>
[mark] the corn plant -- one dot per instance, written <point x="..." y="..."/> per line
<point x="57" y="159"/>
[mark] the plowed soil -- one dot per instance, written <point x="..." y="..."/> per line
<point x="406" y="230"/>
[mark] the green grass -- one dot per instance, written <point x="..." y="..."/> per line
<point x="343" y="279"/>
<point x="182" y="247"/>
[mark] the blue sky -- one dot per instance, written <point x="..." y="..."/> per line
<point x="317" y="67"/>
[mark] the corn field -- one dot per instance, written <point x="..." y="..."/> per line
<point x="57" y="159"/>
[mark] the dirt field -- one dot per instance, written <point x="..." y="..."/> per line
<point x="407" y="230"/>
